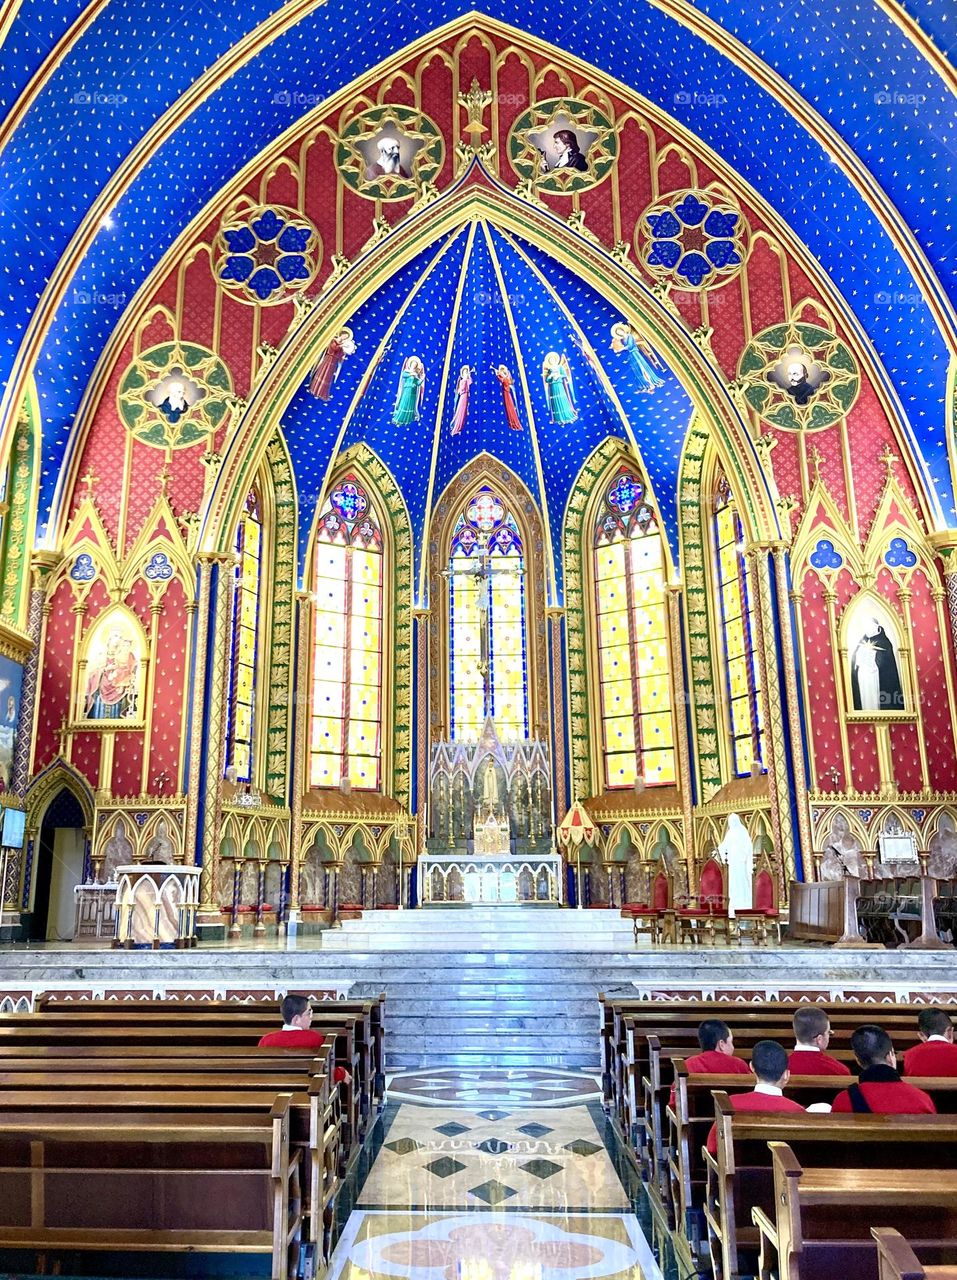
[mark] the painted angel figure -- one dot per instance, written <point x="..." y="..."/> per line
<point x="462" y="388"/>
<point x="408" y="401"/>
<point x="640" y="355"/>
<point x="327" y="370"/>
<point x="508" y="396"/>
<point x="559" y="389"/>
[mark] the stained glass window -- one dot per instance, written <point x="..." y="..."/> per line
<point x="488" y="654"/>
<point x="745" y="725"/>
<point x="245" y="642"/>
<point x="346" y="725"/>
<point x="633" y="650"/>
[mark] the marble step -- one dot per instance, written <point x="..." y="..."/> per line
<point x="501" y="1023"/>
<point x="495" y="1058"/>
<point x="425" y="1041"/>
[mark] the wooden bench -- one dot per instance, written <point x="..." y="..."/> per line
<point x="175" y="1180"/>
<point x="896" y="1260"/>
<point x="822" y="1218"/>
<point x="740" y="1177"/>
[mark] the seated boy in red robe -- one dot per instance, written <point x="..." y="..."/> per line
<point x="296" y="1032"/>
<point x="769" y="1062"/>
<point x="936" y="1055"/>
<point x="717" y="1054"/>
<point x="812" y="1031"/>
<point x="880" y="1089"/>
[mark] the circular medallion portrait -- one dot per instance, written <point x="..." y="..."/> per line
<point x="694" y="239"/>
<point x="389" y="153"/>
<point x="563" y="146"/>
<point x="265" y="255"/>
<point x="174" y="395"/>
<point x="799" y="377"/>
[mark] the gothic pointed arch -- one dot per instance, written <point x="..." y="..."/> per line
<point x="486" y="478"/>
<point x="363" y="517"/>
<point x="621" y="668"/>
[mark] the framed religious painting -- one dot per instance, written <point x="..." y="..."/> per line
<point x="876" y="662"/>
<point x="111" y="674"/>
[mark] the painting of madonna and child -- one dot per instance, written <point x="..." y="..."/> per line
<point x="112" y="687"/>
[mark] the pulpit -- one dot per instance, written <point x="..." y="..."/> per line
<point x="156" y="905"/>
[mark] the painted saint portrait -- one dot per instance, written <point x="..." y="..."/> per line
<point x="408" y="399"/>
<point x="112" y="686"/>
<point x="389" y="154"/>
<point x="559" y="389"/>
<point x="563" y="146"/>
<point x="11" y="686"/>
<point x="798" y="375"/>
<point x="872" y="654"/>
<point x="174" y="395"/>
<point x="326" y="372"/>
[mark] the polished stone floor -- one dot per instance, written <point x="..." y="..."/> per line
<point x="496" y="1175"/>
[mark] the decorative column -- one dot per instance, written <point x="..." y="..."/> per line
<point x="200" y="656"/>
<point x="683" y="699"/>
<point x="782" y="575"/>
<point x="945" y="544"/>
<point x="774" y="737"/>
<point x="422" y="620"/>
<point x="221" y="600"/>
<point x="555" y="617"/>
<point x="300" y="748"/>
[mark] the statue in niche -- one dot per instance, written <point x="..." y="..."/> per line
<point x="117" y="852"/>
<point x="943" y="850"/>
<point x="490" y="787"/>
<point x="311" y="879"/>
<point x="160" y="848"/>
<point x="842" y="857"/>
<point x="249" y="885"/>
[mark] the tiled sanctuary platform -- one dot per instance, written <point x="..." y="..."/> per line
<point x="504" y="987"/>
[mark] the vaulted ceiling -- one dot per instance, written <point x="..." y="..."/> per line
<point x="123" y="120"/>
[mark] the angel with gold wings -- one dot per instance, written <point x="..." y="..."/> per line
<point x="559" y="388"/>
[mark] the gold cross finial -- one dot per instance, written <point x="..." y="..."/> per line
<point x="163" y="478"/>
<point x="62" y="734"/>
<point x="475" y="103"/>
<point x="889" y="459"/>
<point x="91" y="481"/>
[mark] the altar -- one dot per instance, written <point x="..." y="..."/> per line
<point x="490" y="879"/>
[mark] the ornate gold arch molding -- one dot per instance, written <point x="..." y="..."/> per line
<point x="483" y="469"/>
<point x="467" y="201"/>
<point x="465" y="27"/>
<point x="47" y="785"/>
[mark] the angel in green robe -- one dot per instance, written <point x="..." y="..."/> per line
<point x="408" y="400"/>
<point x="559" y="390"/>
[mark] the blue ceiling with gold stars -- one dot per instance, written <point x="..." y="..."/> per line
<point x="871" y="81"/>
<point x="497" y="302"/>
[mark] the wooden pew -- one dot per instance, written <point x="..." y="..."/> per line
<point x="822" y="1216"/>
<point x="896" y="1260"/>
<point x="226" y="1182"/>
<point x="740" y="1178"/>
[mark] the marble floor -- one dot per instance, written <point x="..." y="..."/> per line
<point x="496" y="1175"/>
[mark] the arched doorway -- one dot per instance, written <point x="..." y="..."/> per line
<point x="58" y="862"/>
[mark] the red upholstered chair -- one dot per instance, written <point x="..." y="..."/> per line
<point x="707" y="913"/>
<point x="764" y="912"/>
<point x="648" y="917"/>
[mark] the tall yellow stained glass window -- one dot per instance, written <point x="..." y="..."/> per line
<point x="245" y="640"/>
<point x="745" y="725"/>
<point x="488" y="651"/>
<point x="346" y="727"/>
<point x="633" y="651"/>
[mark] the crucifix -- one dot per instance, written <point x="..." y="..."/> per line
<point x="482" y="568"/>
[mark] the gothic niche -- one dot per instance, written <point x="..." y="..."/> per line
<point x="490" y="798"/>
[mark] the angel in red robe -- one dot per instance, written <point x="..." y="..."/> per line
<point x="462" y="388"/>
<point x="508" y="396"/>
<point x="327" y="370"/>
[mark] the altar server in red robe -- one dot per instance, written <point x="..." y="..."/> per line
<point x="812" y="1031"/>
<point x="769" y="1062"/>
<point x="880" y="1089"/>
<point x="936" y="1055"/>
<point x="296" y="1032"/>
<point x="717" y="1053"/>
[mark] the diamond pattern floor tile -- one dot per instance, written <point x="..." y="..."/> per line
<point x="534" y="1130"/>
<point x="493" y="1192"/>
<point x="452" y="1129"/>
<point x="402" y="1146"/>
<point x="542" y="1168"/>
<point x="581" y="1147"/>
<point x="444" y="1167"/>
<point x="493" y="1147"/>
